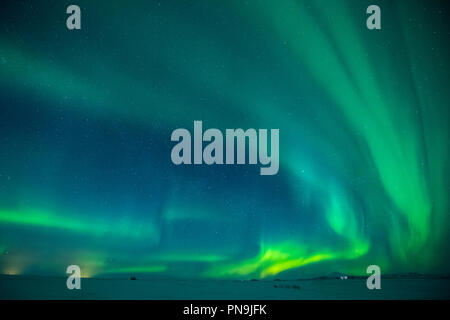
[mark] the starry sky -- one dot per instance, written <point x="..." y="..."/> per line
<point x="86" y="117"/>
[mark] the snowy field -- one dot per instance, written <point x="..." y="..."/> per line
<point x="27" y="287"/>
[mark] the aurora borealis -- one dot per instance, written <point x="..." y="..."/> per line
<point x="86" y="117"/>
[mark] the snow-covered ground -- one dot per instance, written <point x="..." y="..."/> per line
<point x="27" y="287"/>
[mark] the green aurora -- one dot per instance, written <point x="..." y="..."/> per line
<point x="86" y="117"/>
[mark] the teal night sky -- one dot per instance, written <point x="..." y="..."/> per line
<point x="86" y="117"/>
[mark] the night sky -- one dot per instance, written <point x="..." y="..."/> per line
<point x="86" y="116"/>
